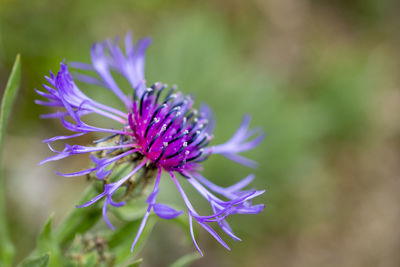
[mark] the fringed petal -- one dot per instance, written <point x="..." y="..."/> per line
<point x="239" y="143"/>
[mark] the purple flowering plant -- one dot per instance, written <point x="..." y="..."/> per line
<point x="160" y="132"/>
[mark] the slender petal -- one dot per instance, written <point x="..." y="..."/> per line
<point x="239" y="143"/>
<point x="165" y="212"/>
<point x="151" y="200"/>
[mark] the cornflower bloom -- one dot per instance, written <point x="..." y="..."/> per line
<point x="160" y="131"/>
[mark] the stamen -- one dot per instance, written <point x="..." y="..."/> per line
<point x="187" y="152"/>
<point x="178" y="152"/>
<point x="148" y="91"/>
<point x="152" y="142"/>
<point x="169" y="113"/>
<point x="202" y="140"/>
<point x="155" y="137"/>
<point x="179" y="165"/>
<point x="195" y="121"/>
<point x="180" y="104"/>
<point x="149" y="126"/>
<point x="197" y="156"/>
<point x="169" y="98"/>
<point x="160" y="91"/>
<point x="191" y="114"/>
<point x="183" y="123"/>
<point x="170" y="91"/>
<point x="156" y="86"/>
<point x="205" y="144"/>
<point x="131" y="123"/>
<point x="172" y="121"/>
<point x="158" y="110"/>
<point x="172" y="111"/>
<point x="165" y="144"/>
<point x="202" y="159"/>
<point x="179" y="137"/>
<point x="194" y="137"/>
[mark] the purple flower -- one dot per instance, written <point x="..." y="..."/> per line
<point x="159" y="126"/>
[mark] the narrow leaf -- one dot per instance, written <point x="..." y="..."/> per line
<point x="44" y="241"/>
<point x="120" y="242"/>
<point x="136" y="263"/>
<point x="79" y="220"/>
<point x="41" y="261"/>
<point x="46" y="244"/>
<point x="9" y="96"/>
<point x="10" y="93"/>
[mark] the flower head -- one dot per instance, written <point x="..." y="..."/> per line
<point x="159" y="131"/>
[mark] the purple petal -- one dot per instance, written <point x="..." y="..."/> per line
<point x="101" y="66"/>
<point x="225" y="227"/>
<point x="228" y="191"/>
<point x="241" y="160"/>
<point x="88" y="79"/>
<point x="62" y="137"/>
<point x="241" y="184"/>
<point x="209" y="115"/>
<point x="105" y="217"/>
<point x="151" y="200"/>
<point x="152" y="197"/>
<point x="117" y="204"/>
<point x="214" y="234"/>
<point x="253" y="143"/>
<point x="251" y="210"/>
<point x="79" y="173"/>
<point x="54" y="158"/>
<point x="81" y="66"/>
<point x="192" y="234"/>
<point x="239" y="143"/>
<point x="96" y="198"/>
<point x="165" y="212"/>
<point x="141" y="227"/>
<point x="48" y="104"/>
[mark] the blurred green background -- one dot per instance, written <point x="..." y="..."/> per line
<point x="321" y="78"/>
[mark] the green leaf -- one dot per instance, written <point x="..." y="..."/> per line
<point x="9" y="96"/>
<point x="44" y="241"/>
<point x="132" y="211"/>
<point x="120" y="242"/>
<point x="80" y="219"/>
<point x="186" y="260"/>
<point x="41" y="261"/>
<point x="7" y="250"/>
<point x="136" y="263"/>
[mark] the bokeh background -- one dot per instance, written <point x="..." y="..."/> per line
<point x="321" y="77"/>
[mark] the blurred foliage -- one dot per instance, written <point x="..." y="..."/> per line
<point x="7" y="249"/>
<point x="318" y="76"/>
